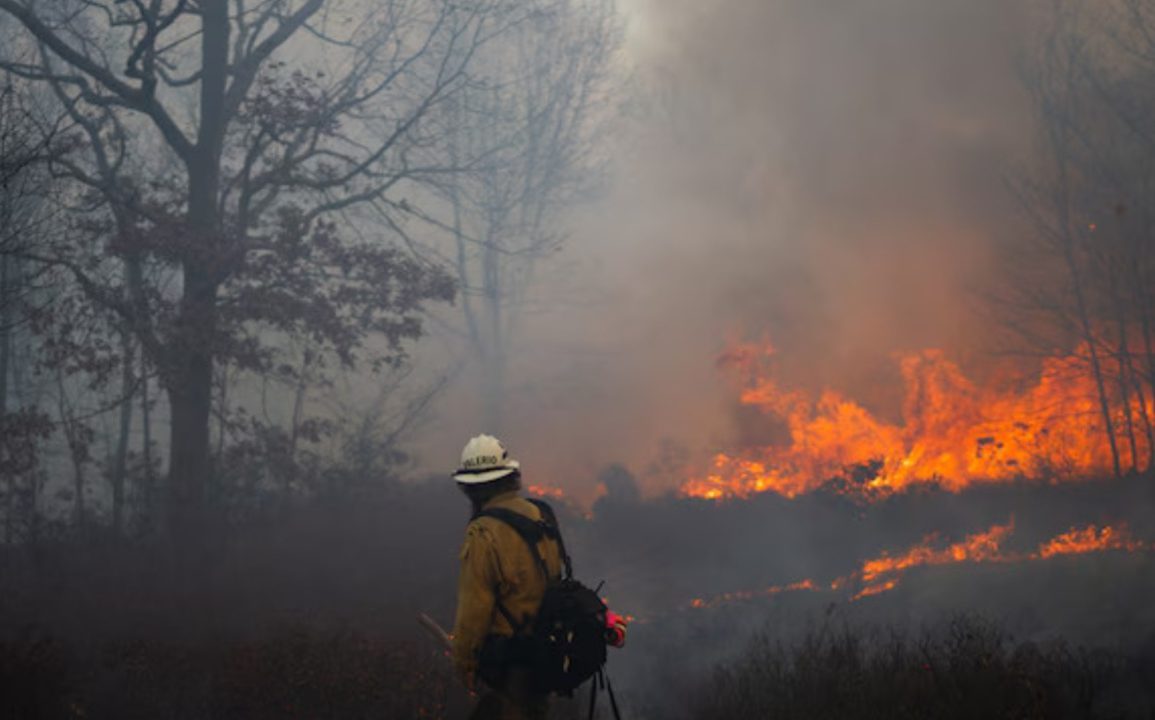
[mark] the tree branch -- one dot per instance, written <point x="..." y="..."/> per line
<point x="139" y="99"/>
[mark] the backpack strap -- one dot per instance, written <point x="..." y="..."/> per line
<point x="550" y="519"/>
<point x="531" y="531"/>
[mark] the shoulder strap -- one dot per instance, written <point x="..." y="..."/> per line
<point x="531" y="531"/>
<point x="550" y="519"/>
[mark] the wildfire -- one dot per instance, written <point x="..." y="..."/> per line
<point x="982" y="547"/>
<point x="954" y="433"/>
<point x="1090" y="539"/>
<point x="884" y="573"/>
<point x="876" y="589"/>
<point x="881" y="574"/>
<point x="988" y="547"/>
<point x="742" y="595"/>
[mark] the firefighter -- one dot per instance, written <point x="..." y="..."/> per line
<point x="500" y="588"/>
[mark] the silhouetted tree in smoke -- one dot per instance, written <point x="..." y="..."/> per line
<point x="543" y="96"/>
<point x="220" y="144"/>
<point x="25" y="190"/>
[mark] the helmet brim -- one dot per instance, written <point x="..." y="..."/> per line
<point x="473" y="477"/>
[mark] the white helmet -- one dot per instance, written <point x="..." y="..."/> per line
<point x="483" y="460"/>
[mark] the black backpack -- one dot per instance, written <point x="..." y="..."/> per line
<point x="566" y="642"/>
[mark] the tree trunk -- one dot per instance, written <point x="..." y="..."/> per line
<point x="6" y="288"/>
<point x="1128" y="412"/>
<point x="1145" y="419"/>
<point x="1145" y="314"/>
<point x="189" y="384"/>
<point x="5" y="330"/>
<point x="1096" y="366"/>
<point x="1124" y="363"/>
<point x="120" y="462"/>
<point x="190" y="373"/>
<point x="300" y="395"/>
<point x="1059" y="145"/>
<point x="1146" y="393"/>
<point x="147" y="491"/>
<point x="495" y="358"/>
<point x="9" y="512"/>
<point x="76" y="453"/>
<point x="32" y="505"/>
<point x="9" y="489"/>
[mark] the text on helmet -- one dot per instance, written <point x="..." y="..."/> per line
<point x="481" y="461"/>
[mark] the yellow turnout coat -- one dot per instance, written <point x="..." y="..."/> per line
<point x="496" y="565"/>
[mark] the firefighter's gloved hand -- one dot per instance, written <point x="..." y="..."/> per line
<point x="615" y="629"/>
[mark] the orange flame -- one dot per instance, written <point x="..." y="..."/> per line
<point x="954" y="433"/>
<point x="988" y="547"/>
<point x="881" y="574"/>
<point x="743" y="595"/>
<point x="546" y="491"/>
<point x="876" y="589"/>
<point x="884" y="573"/>
<point x="982" y="547"/>
<point x="1090" y="539"/>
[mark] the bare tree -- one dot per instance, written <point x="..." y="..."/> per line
<point x="542" y="95"/>
<point x="221" y="141"/>
<point x="1092" y="266"/>
<point x="24" y="192"/>
<point x="371" y="430"/>
<point x="24" y="188"/>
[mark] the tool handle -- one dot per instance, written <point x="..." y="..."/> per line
<point x="436" y="631"/>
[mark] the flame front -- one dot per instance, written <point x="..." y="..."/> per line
<point x="884" y="573"/>
<point x="1090" y="539"/>
<point x="954" y="433"/>
<point x="983" y="547"/>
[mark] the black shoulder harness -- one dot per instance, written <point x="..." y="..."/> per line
<point x="532" y="531"/>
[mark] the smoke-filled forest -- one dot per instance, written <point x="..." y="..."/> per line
<point x="827" y="329"/>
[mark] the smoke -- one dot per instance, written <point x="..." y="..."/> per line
<point x="830" y="175"/>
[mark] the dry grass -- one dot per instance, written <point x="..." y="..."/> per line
<point x="292" y="674"/>
<point x="965" y="669"/>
